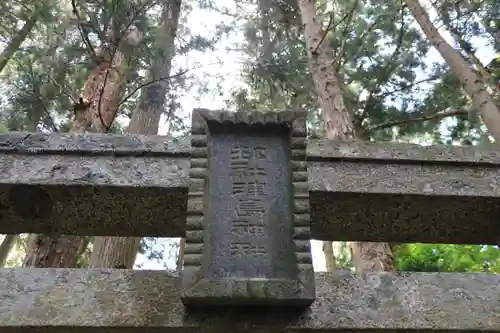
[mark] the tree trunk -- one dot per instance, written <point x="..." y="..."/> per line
<point x="180" y="258"/>
<point x="105" y="88"/>
<point x="339" y="125"/>
<point x="122" y="251"/>
<point x="373" y="257"/>
<point x="53" y="251"/>
<point x="7" y="244"/>
<point x="472" y="82"/>
<point x="106" y="79"/>
<point x="116" y="252"/>
<point x="16" y="42"/>
<point x="329" y="256"/>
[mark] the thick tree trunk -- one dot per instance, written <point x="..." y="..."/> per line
<point x="102" y="92"/>
<point x="117" y="252"/>
<point x="52" y="251"/>
<point x="473" y="83"/>
<point x="373" y="257"/>
<point x="329" y="256"/>
<point x="339" y="125"/>
<point x="16" y="42"/>
<point x="122" y="251"/>
<point x="105" y="88"/>
<point x="180" y="258"/>
<point x="7" y="244"/>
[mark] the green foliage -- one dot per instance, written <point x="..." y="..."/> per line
<point x="60" y="53"/>
<point x="447" y="258"/>
<point x="84" y="260"/>
<point x="159" y="251"/>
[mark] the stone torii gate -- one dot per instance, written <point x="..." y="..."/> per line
<point x="248" y="192"/>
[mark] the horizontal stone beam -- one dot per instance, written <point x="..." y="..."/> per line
<point x="148" y="301"/>
<point x="134" y="185"/>
<point x="93" y="184"/>
<point x="386" y="192"/>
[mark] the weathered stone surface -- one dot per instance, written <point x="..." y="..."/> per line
<point x="92" y="195"/>
<point x="93" y="144"/>
<point x="401" y="152"/>
<point x="147" y="301"/>
<point x="137" y="185"/>
<point x="393" y="193"/>
<point x="404" y="218"/>
<point x="248" y="225"/>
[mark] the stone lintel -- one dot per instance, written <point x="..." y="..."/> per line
<point x="148" y="301"/>
<point x="93" y="184"/>
<point x="93" y="144"/>
<point x="385" y="152"/>
<point x="404" y="193"/>
<point x="137" y="185"/>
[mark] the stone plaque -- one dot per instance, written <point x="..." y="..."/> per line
<point x="248" y="225"/>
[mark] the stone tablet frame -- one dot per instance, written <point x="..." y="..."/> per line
<point x="198" y="290"/>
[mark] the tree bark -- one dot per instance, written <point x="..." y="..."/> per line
<point x="105" y="88"/>
<point x="101" y="95"/>
<point x="473" y="83"/>
<point x="122" y="251"/>
<point x="180" y="258"/>
<point x="52" y="251"/>
<point x="329" y="256"/>
<point x="7" y="244"/>
<point x="368" y="257"/>
<point x="16" y="42"/>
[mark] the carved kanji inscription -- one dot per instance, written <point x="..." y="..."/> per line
<point x="248" y="177"/>
<point x="251" y="204"/>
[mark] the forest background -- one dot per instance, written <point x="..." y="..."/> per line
<point x="403" y="71"/>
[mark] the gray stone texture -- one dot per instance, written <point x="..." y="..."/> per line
<point x="245" y="244"/>
<point x="95" y="184"/>
<point x="51" y="300"/>
<point x="272" y="251"/>
<point x="93" y="144"/>
<point x="404" y="193"/>
<point x="401" y="152"/>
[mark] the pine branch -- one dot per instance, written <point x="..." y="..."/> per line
<point x="83" y="33"/>
<point x="150" y="83"/>
<point x="439" y="115"/>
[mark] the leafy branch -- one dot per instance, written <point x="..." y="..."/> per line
<point x="164" y="78"/>
<point x="331" y="25"/>
<point x="439" y="116"/>
<point x="389" y="69"/>
<point x="84" y="33"/>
